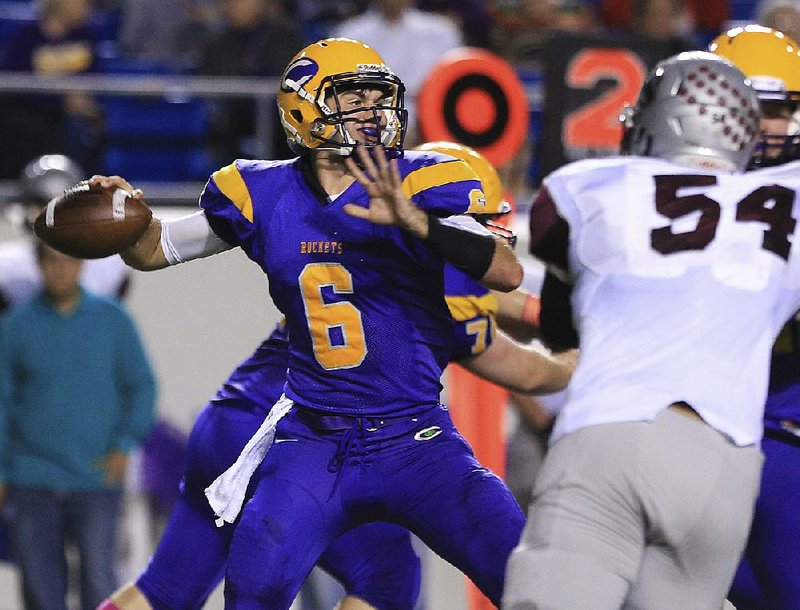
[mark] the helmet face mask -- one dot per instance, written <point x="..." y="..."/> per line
<point x="387" y="115"/>
<point x="311" y="92"/>
<point x="771" y="60"/>
<point x="780" y="135"/>
<point x="694" y="108"/>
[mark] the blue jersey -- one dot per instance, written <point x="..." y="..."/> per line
<point x="257" y="383"/>
<point x="368" y="326"/>
<point x="473" y="309"/>
<point x="222" y="429"/>
<point x="783" y="402"/>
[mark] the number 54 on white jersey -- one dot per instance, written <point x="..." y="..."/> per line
<point x="650" y="218"/>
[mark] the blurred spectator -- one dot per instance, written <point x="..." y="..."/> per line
<point x="76" y="395"/>
<point x="783" y="15"/>
<point x="575" y="16"/>
<point x="521" y="35"/>
<point x="472" y="15"/>
<point x="165" y="31"/>
<point x="679" y="19"/>
<point x="60" y="42"/>
<point x="20" y="278"/>
<point x="409" y="40"/>
<point x="667" y="21"/>
<point x="518" y="15"/>
<point x="319" y="17"/>
<point x="257" y="39"/>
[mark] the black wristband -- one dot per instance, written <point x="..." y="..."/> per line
<point x="470" y="252"/>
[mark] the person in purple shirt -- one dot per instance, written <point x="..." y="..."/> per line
<point x="375" y="562"/>
<point x="767" y="577"/>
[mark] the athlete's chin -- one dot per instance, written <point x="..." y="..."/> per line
<point x="368" y="142"/>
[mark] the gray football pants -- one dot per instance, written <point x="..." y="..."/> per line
<point x="636" y="515"/>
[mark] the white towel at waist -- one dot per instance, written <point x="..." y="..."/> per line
<point x="226" y="493"/>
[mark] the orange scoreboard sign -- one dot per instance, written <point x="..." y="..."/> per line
<point x="587" y="83"/>
<point x="475" y="97"/>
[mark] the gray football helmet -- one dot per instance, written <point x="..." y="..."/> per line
<point x="48" y="176"/>
<point x="41" y="180"/>
<point x="694" y="108"/>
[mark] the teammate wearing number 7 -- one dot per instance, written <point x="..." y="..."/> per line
<point x="682" y="269"/>
<point x="353" y="240"/>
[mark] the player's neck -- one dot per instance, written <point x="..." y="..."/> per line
<point x="332" y="173"/>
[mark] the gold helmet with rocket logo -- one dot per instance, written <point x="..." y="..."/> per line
<point x="308" y="103"/>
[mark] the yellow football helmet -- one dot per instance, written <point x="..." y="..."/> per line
<point x="490" y="180"/>
<point x="308" y="106"/>
<point x="771" y="60"/>
<point x="767" y="57"/>
<point x="492" y="204"/>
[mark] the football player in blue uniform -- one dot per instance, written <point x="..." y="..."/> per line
<point x="768" y="578"/>
<point x="354" y="253"/>
<point x="375" y="562"/>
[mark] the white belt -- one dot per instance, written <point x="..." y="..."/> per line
<point x="226" y="493"/>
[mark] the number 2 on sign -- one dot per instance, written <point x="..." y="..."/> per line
<point x="596" y="125"/>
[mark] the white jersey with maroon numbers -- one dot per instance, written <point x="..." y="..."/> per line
<point x="682" y="279"/>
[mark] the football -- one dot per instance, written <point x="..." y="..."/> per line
<point x="92" y="221"/>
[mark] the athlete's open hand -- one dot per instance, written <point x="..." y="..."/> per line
<point x="388" y="205"/>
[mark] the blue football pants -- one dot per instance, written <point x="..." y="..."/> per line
<point x="319" y="481"/>
<point x="374" y="562"/>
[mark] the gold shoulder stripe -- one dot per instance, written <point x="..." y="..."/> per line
<point x="230" y="182"/>
<point x="467" y="307"/>
<point x="437" y="174"/>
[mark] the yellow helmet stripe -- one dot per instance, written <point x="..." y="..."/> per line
<point x="230" y="182"/>
<point x="467" y="307"/>
<point x="436" y="175"/>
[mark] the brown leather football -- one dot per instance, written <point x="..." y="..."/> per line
<point x="92" y="222"/>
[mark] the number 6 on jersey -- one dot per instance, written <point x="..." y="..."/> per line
<point x="348" y="348"/>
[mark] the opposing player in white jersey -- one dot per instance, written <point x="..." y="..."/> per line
<point x="683" y="270"/>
